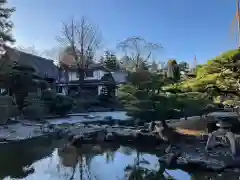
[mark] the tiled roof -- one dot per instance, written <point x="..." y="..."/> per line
<point x="43" y="67"/>
<point x="120" y="77"/>
<point x="95" y="66"/>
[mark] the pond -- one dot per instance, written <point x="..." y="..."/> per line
<point x="95" y="116"/>
<point x="46" y="159"/>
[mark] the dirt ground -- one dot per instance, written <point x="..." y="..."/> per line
<point x="192" y="126"/>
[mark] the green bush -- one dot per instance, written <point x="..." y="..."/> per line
<point x="57" y="103"/>
<point x="34" y="107"/>
<point x="8" y="108"/>
<point x="62" y="104"/>
<point x="48" y="95"/>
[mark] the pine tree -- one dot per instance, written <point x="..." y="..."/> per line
<point x="110" y="61"/>
<point x="5" y="24"/>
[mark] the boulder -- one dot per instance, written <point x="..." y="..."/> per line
<point x="109" y="118"/>
<point x="189" y="161"/>
<point x="109" y="136"/>
<point x="100" y="136"/>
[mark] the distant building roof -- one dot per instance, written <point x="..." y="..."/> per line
<point x="43" y="67"/>
<point x="120" y="77"/>
<point x="94" y="66"/>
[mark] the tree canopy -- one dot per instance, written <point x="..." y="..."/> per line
<point x="110" y="61"/>
<point x="6" y="24"/>
<point x="151" y="96"/>
<point x="219" y="75"/>
<point x="146" y="99"/>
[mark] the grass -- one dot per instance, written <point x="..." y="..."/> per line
<point x="194" y="126"/>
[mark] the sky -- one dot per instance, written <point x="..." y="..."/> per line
<point x="184" y="28"/>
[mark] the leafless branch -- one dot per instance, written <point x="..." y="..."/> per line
<point x="138" y="49"/>
<point x="83" y="38"/>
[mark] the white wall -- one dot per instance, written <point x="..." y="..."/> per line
<point x="72" y="76"/>
<point x="97" y="75"/>
<point x="99" y="89"/>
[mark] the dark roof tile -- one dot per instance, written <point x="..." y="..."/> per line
<point x="43" y="67"/>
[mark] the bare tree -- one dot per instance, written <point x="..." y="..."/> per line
<point x="83" y="39"/>
<point x="138" y="50"/>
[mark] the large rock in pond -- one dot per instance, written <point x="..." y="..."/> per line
<point x="193" y="161"/>
<point x="126" y="136"/>
<point x="99" y="134"/>
<point x="91" y="136"/>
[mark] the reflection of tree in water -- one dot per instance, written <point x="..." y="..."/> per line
<point x="79" y="159"/>
<point x="126" y="150"/>
<point x="70" y="158"/>
<point x="110" y="156"/>
<point x="136" y="171"/>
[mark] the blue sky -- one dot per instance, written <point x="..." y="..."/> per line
<point x="184" y="27"/>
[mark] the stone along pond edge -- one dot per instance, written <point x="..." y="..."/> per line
<point x="95" y="132"/>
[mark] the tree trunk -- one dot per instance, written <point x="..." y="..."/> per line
<point x="81" y="74"/>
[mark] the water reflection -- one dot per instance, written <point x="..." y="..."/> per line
<point x="45" y="160"/>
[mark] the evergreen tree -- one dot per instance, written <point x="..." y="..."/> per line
<point x="143" y="65"/>
<point x="183" y="66"/>
<point x="110" y="61"/>
<point x="5" y="24"/>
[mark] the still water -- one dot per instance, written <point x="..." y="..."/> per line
<point x="45" y="159"/>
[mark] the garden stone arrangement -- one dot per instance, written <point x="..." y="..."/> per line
<point x="190" y="152"/>
<point x="189" y="155"/>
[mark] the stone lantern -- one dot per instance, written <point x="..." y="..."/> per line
<point x="225" y="122"/>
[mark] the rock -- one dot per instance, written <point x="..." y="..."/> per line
<point x="106" y="126"/>
<point x="100" y="136"/>
<point x="109" y="118"/>
<point x="188" y="161"/>
<point x="90" y="116"/>
<point x="109" y="136"/>
<point x="29" y="169"/>
<point x="79" y="137"/>
<point x="76" y="140"/>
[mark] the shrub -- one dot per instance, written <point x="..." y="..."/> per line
<point x="48" y="95"/>
<point x="62" y="104"/>
<point x="7" y="108"/>
<point x="34" y="107"/>
<point x="57" y="103"/>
